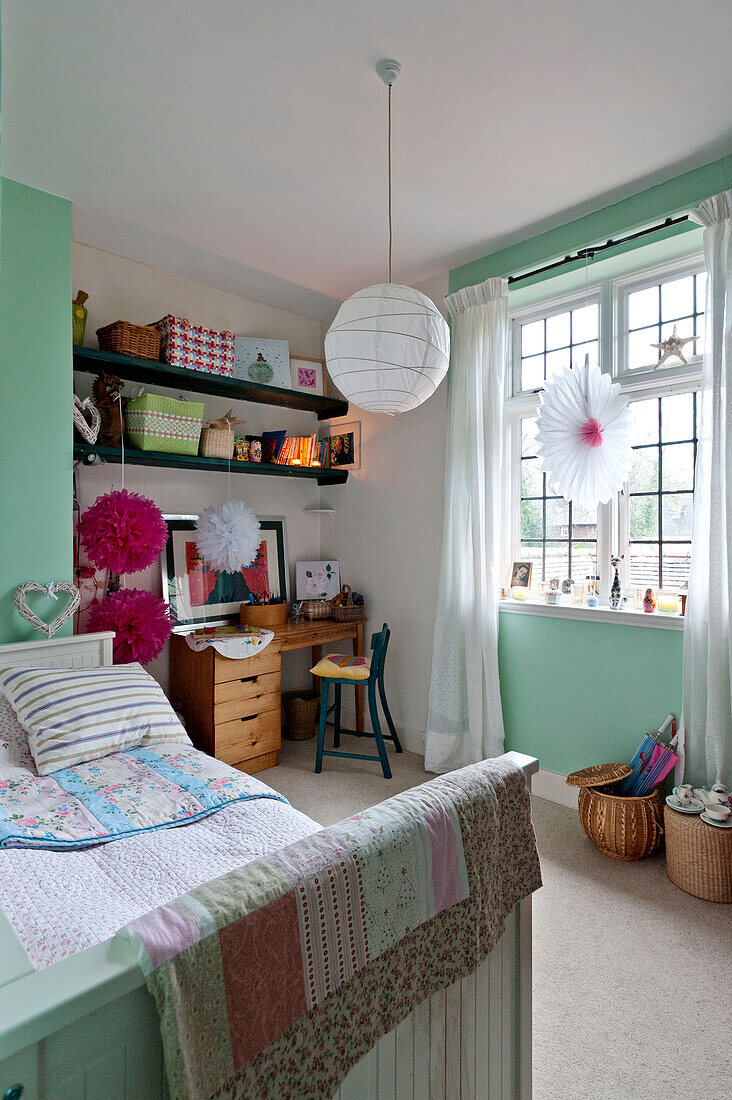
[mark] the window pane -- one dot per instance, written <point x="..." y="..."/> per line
<point x="532" y="338"/>
<point x="701" y="291"/>
<point x="557" y="519"/>
<point x="532" y="372"/>
<point x="678" y="417"/>
<point x="532" y="519"/>
<point x="676" y="565"/>
<point x="678" y="468"/>
<point x="584" y="558"/>
<point x="684" y="328"/>
<point x="640" y="352"/>
<point x="677" y="513"/>
<point x="644" y="421"/>
<point x="557" y="361"/>
<point x="580" y="350"/>
<point x="557" y="561"/>
<point x="644" y="517"/>
<point x="700" y="331"/>
<point x="677" y="298"/>
<point x="644" y="471"/>
<point x="528" y="436"/>
<point x="584" y="522"/>
<point x="532" y="479"/>
<point x="532" y="551"/>
<point x="644" y="566"/>
<point x="643" y="307"/>
<point x="557" y="331"/>
<point x="584" y="323"/>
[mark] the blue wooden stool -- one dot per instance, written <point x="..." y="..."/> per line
<point x="371" y="678"/>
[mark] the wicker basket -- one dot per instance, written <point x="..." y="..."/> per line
<point x="698" y="856"/>
<point x="345" y="610"/>
<point x="623" y="828"/>
<point x="216" y="443"/>
<point x="317" y="609"/>
<point x="142" y="341"/>
<point x="267" y="616"/>
<point x="301" y="714"/>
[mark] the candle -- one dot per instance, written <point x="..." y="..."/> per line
<point x="668" y="602"/>
<point x="519" y="592"/>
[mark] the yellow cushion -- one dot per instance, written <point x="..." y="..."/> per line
<point x="344" y="666"/>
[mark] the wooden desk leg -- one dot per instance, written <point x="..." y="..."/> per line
<point x="316" y="652"/>
<point x="358" y="652"/>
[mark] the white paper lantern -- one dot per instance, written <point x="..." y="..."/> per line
<point x="583" y="436"/>
<point x="388" y="348"/>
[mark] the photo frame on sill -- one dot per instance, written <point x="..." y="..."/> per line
<point x="307" y="375"/>
<point x="521" y="574"/>
<point x="198" y="595"/>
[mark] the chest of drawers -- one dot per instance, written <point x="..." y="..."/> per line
<point x="231" y="708"/>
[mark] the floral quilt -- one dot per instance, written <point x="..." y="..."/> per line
<point x="275" y="979"/>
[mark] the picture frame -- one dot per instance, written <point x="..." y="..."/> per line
<point x="317" y="580"/>
<point x="345" y="445"/>
<point x="521" y="574"/>
<point x="198" y="595"/>
<point x="265" y="362"/>
<point x="307" y="375"/>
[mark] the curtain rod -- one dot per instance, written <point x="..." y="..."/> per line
<point x="589" y="253"/>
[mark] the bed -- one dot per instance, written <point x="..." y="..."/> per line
<point x="76" y="1019"/>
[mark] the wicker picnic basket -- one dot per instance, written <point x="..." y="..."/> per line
<point x="317" y="609"/>
<point x="141" y="341"/>
<point x="216" y="443"/>
<point x="698" y="856"/>
<point x="624" y="828"/>
<point x="301" y="713"/>
<point x="345" y="610"/>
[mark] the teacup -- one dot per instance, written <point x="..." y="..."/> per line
<point x="684" y="794"/>
<point x="719" y="812"/>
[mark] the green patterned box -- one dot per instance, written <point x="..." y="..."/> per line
<point x="157" y="423"/>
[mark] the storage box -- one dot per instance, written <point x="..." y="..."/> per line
<point x="124" y="338"/>
<point x="157" y="423"/>
<point x="195" y="348"/>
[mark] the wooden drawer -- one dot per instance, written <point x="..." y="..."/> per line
<point x="241" y="740"/>
<point x="225" y="669"/>
<point x="257" y="701"/>
<point x="247" y="687"/>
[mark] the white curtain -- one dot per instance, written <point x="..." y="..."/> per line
<point x="465" y="721"/>
<point x="706" y="729"/>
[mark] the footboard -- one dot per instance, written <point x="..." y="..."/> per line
<point x="86" y="1028"/>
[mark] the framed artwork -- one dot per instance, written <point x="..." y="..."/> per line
<point x="317" y="580"/>
<point x="198" y="595"/>
<point x="263" y="361"/>
<point x="521" y="574"/>
<point x="345" y="446"/>
<point x="306" y="375"/>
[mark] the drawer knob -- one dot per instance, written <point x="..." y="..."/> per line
<point x="13" y="1093"/>
<point x="248" y="679"/>
<point x="249" y="718"/>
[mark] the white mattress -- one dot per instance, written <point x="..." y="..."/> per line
<point x="61" y="902"/>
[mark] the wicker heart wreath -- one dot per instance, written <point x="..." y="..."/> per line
<point x="87" y="429"/>
<point x="53" y="590"/>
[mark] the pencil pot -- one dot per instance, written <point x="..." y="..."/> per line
<point x="623" y="828"/>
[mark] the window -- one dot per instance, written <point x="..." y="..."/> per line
<point x="650" y="522"/>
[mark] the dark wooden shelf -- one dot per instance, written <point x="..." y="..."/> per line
<point x="85" y="452"/>
<point x="92" y="360"/>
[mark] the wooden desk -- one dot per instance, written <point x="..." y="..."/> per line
<point x="232" y="707"/>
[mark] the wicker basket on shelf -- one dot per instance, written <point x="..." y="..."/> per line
<point x="301" y="713"/>
<point x="317" y="609"/>
<point x="698" y="856"/>
<point x="216" y="443"/>
<point x="345" y="610"/>
<point x="140" y="341"/>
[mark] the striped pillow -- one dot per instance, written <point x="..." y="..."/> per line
<point x="76" y="714"/>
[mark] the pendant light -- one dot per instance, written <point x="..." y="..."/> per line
<point x="388" y="347"/>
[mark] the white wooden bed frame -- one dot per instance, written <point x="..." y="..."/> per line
<point x="85" y="1028"/>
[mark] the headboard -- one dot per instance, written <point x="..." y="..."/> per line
<point x="79" y="651"/>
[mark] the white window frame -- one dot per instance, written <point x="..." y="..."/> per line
<point x="611" y="294"/>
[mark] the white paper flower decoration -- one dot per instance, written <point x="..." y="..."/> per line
<point x="228" y="537"/>
<point x="583" y="436"/>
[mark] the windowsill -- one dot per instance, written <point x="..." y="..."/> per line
<point x="593" y="614"/>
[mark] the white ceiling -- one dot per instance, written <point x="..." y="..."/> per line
<point x="233" y="138"/>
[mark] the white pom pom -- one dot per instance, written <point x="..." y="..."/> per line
<point x="228" y="537"/>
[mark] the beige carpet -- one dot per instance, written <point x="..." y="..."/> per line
<point x="613" y="943"/>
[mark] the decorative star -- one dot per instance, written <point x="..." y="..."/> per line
<point x="673" y="346"/>
<point x="226" y="422"/>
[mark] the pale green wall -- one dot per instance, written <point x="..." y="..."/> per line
<point x="580" y="693"/>
<point x="35" y="396"/>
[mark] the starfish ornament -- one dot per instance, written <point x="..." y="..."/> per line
<point x="673" y="346"/>
<point x="227" y="421"/>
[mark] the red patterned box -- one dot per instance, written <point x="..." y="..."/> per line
<point x="195" y="348"/>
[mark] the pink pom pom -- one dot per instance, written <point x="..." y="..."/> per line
<point x="140" y="620"/>
<point x="591" y="432"/>
<point x="123" y="532"/>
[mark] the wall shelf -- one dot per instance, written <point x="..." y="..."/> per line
<point x="92" y="360"/>
<point x="85" y="452"/>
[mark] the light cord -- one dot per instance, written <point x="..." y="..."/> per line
<point x="389" y="173"/>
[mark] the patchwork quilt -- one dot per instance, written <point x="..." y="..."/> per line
<point x="276" y="978"/>
<point x="117" y="796"/>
